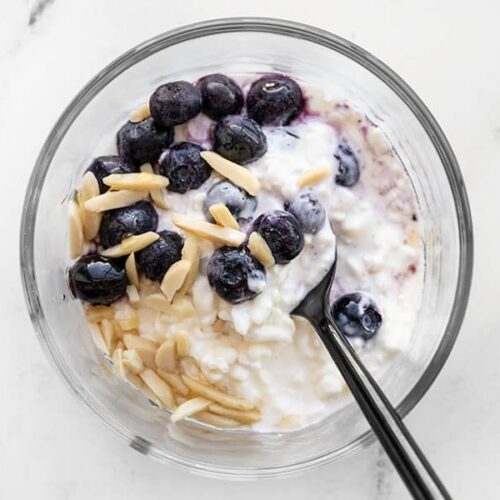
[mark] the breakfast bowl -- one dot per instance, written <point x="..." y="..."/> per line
<point x="258" y="46"/>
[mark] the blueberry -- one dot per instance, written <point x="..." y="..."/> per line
<point x="308" y="210"/>
<point x="123" y="222"/>
<point x="220" y="95"/>
<point x="174" y="103"/>
<point x="239" y="203"/>
<point x="274" y="100"/>
<point x="103" y="166"/>
<point x="282" y="233"/>
<point x="357" y="315"/>
<point x="348" y="171"/>
<point x="239" y="139"/>
<point x="143" y="142"/>
<point x="235" y="275"/>
<point x="184" y="167"/>
<point x="156" y="259"/>
<point x="98" y="280"/>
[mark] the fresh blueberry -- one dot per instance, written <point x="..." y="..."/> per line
<point x="348" y="171"/>
<point x="103" y="166"/>
<point x="308" y="210"/>
<point x="235" y="275"/>
<point x="184" y="167"/>
<point x="220" y="95"/>
<point x="98" y="280"/>
<point x="174" y="103"/>
<point x="143" y="142"/>
<point x="282" y="233"/>
<point x="274" y="100"/>
<point x="156" y="259"/>
<point x="123" y="222"/>
<point x="239" y="139"/>
<point x="357" y="315"/>
<point x="239" y="203"/>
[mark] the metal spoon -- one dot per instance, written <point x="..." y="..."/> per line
<point x="411" y="464"/>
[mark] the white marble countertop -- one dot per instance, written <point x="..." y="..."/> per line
<point x="51" y="447"/>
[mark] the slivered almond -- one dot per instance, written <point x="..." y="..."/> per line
<point x="118" y="365"/>
<point x="75" y="231"/>
<point x="131" y="268"/>
<point x="190" y="252"/>
<point x="217" y="395"/>
<point x="209" y="231"/>
<point x="188" y="366"/>
<point x="159" y="387"/>
<point x="114" y="199"/>
<point x="313" y="176"/>
<point x="108" y="334"/>
<point x="165" y="357"/>
<point x="118" y="329"/>
<point x="148" y="392"/>
<point x="175" y="381"/>
<point x="131" y="244"/>
<point x="145" y="348"/>
<point x="91" y="221"/>
<point x="260" y="249"/>
<point x="139" y="114"/>
<point x="223" y="216"/>
<point x="136" y="381"/>
<point x="245" y="417"/>
<point x="179" y="399"/>
<point x="133" y="361"/>
<point x="190" y="408"/>
<point x="182" y="343"/>
<point x="157" y="195"/>
<point x="98" y="313"/>
<point x="237" y="174"/>
<point x="133" y="294"/>
<point x="127" y="324"/>
<point x="143" y="181"/>
<point x="174" y="278"/>
<point x="96" y="334"/>
<point x="217" y="420"/>
<point x="290" y="421"/>
<point x="157" y="302"/>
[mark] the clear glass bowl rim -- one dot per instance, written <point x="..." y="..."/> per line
<point x="229" y="25"/>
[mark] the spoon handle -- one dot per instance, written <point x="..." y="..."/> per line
<point x="412" y="466"/>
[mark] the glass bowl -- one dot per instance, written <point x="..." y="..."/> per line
<point x="243" y="45"/>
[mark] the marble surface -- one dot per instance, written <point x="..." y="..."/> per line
<point x="51" y="447"/>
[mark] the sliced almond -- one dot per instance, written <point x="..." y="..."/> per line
<point x="108" y="334"/>
<point x="145" y="348"/>
<point x="260" y="249"/>
<point x="157" y="195"/>
<point x="98" y="313"/>
<point x="143" y="181"/>
<point x="209" y="231"/>
<point x="190" y="408"/>
<point x="217" y="420"/>
<point x="157" y="302"/>
<point x="133" y="294"/>
<point x="190" y="252"/>
<point x="175" y="381"/>
<point x="75" y="231"/>
<point x="133" y="361"/>
<point x="114" y="199"/>
<point x="128" y="324"/>
<point x="131" y="244"/>
<point x="97" y="337"/>
<point x="217" y="395"/>
<point x="159" y="387"/>
<point x="245" y="417"/>
<point x="166" y="357"/>
<point x="223" y="216"/>
<point x="314" y="176"/>
<point x="91" y="221"/>
<point x="182" y="308"/>
<point x="182" y="343"/>
<point x="139" y="114"/>
<point x="237" y="174"/>
<point x="174" y="278"/>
